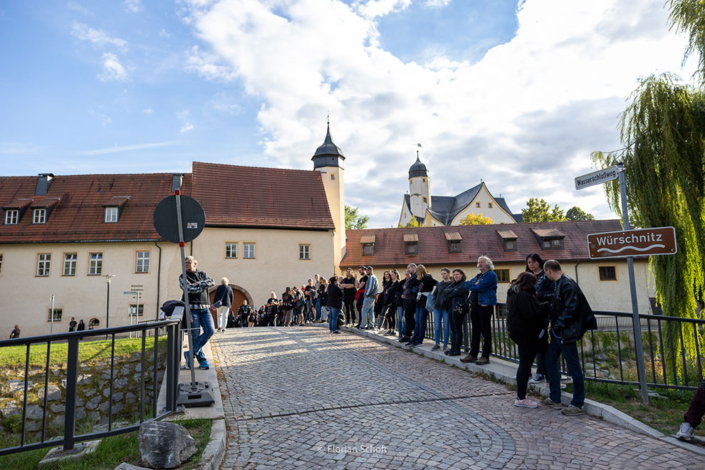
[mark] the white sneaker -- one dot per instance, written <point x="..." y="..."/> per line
<point x="526" y="403"/>
<point x="537" y="379"/>
<point x="685" y="433"/>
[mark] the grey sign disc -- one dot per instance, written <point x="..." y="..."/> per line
<point x="193" y="219"/>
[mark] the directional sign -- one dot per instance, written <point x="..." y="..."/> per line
<point x="641" y="242"/>
<point x="597" y="177"/>
<point x="131" y="292"/>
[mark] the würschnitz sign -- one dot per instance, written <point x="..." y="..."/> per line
<point x="641" y="242"/>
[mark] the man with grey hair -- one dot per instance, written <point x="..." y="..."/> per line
<point x="223" y="301"/>
<point x="197" y="284"/>
<point x="483" y="298"/>
<point x="368" y="304"/>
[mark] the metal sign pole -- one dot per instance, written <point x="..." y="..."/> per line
<point x="632" y="286"/>
<point x="52" y="314"/>
<point x="192" y="359"/>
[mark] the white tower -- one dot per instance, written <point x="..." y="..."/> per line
<point x="419" y="188"/>
<point x="328" y="159"/>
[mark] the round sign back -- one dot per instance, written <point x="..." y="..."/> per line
<point x="193" y="219"/>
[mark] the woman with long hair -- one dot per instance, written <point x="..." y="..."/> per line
<point x="456" y="302"/>
<point x="390" y="301"/>
<point x="426" y="285"/>
<point x="287" y="305"/>
<point x="380" y="304"/>
<point x="441" y="317"/>
<point x="526" y="323"/>
<point x="545" y="290"/>
<point x="335" y="302"/>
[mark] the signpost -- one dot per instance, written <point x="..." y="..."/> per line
<point x="628" y="243"/>
<point x="180" y="219"/>
<point x="137" y="308"/>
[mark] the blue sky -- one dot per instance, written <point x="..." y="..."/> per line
<point x="516" y="93"/>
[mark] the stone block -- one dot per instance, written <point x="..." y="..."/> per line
<point x="89" y="392"/>
<point x="165" y="445"/>
<point x="120" y="383"/>
<point x="58" y="421"/>
<point x="84" y="379"/>
<point x="93" y="403"/>
<point x="34" y="412"/>
<point x="57" y="407"/>
<point x="9" y="408"/>
<point x="80" y="414"/>
<point x="53" y="393"/>
<point x="18" y="385"/>
<point x="56" y="455"/>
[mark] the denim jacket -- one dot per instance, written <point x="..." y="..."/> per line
<point x="486" y="288"/>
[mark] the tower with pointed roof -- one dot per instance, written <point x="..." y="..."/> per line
<point x="419" y="189"/>
<point x="329" y="159"/>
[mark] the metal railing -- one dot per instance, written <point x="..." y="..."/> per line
<point x="673" y="348"/>
<point x="73" y="340"/>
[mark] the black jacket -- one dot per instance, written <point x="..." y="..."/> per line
<point x="427" y="284"/>
<point x="545" y="288"/>
<point x="224" y="293"/>
<point x="456" y="294"/>
<point x="571" y="315"/>
<point x="439" y="295"/>
<point x="335" y="296"/>
<point x="526" y="317"/>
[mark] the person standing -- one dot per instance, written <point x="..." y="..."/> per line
<point x="426" y="285"/>
<point x="694" y="416"/>
<point x="441" y="318"/>
<point x="390" y="301"/>
<point x="360" y="296"/>
<point x="571" y="316"/>
<point x="15" y="333"/>
<point x="243" y="314"/>
<point x="411" y="289"/>
<point x="334" y="295"/>
<point x="483" y="298"/>
<point x="223" y="297"/>
<point x="526" y="323"/>
<point x="272" y="309"/>
<point x="321" y="299"/>
<point x="310" y="300"/>
<point x="197" y="284"/>
<point x="287" y="305"/>
<point x="368" y="305"/>
<point x="318" y="304"/>
<point x="349" y="287"/>
<point x="81" y="326"/>
<point x="72" y="324"/>
<point x="545" y="290"/>
<point x="457" y="305"/>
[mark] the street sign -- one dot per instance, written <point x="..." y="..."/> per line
<point x="131" y="292"/>
<point x="641" y="242"/>
<point x="597" y="177"/>
<point x="193" y="219"/>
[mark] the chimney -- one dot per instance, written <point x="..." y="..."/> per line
<point x="43" y="183"/>
<point x="176" y="181"/>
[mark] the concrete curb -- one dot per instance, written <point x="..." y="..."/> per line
<point x="505" y="371"/>
<point x="214" y="452"/>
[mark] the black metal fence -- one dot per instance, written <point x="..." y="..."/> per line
<point x="162" y="331"/>
<point x="673" y="348"/>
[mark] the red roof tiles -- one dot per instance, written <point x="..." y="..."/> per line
<point x="477" y="240"/>
<point x="245" y="196"/>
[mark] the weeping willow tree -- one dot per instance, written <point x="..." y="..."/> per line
<point x="663" y="134"/>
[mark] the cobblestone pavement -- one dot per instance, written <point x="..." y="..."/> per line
<point x="301" y="398"/>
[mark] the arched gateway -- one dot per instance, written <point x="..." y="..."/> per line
<point x="239" y="294"/>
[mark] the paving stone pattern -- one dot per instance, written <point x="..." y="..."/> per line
<point x="301" y="398"/>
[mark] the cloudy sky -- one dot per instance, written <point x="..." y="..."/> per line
<point x="514" y="92"/>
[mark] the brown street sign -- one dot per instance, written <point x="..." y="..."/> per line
<point x="641" y="242"/>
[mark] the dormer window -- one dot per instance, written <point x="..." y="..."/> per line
<point x="411" y="244"/>
<point x="453" y="239"/>
<point x="111" y="215"/>
<point x="550" y="239"/>
<point x="509" y="239"/>
<point x="12" y="217"/>
<point x="368" y="245"/>
<point x="39" y="216"/>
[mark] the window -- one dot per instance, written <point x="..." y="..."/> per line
<point x="503" y="275"/>
<point x="510" y="245"/>
<point x="489" y="205"/>
<point x="412" y="248"/>
<point x="556" y="244"/>
<point x="478" y="205"/>
<point x="231" y="250"/>
<point x="43" y="264"/>
<point x="58" y="313"/>
<point x="425" y="200"/>
<point x="248" y="251"/>
<point x="70" y="264"/>
<point x="39" y="216"/>
<point x="142" y="265"/>
<point x="12" y="216"/>
<point x="134" y="312"/>
<point x="95" y="265"/>
<point x="454" y="246"/>
<point x="423" y="180"/>
<point x="111" y="215"/>
<point x="552" y="244"/>
<point x="332" y="176"/>
<point x="304" y="251"/>
<point x="368" y="249"/>
<point x="608" y="273"/>
<point x="0" y="263"/>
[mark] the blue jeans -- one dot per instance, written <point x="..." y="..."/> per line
<point x="333" y="320"/>
<point x="572" y="360"/>
<point x="401" y="324"/>
<point x="420" y="329"/>
<point x="438" y="316"/>
<point x="368" y="309"/>
<point x="318" y="309"/>
<point x="201" y="319"/>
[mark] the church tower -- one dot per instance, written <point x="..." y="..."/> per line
<point x="329" y="159"/>
<point x="419" y="188"/>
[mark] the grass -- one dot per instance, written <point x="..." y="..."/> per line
<point x="112" y="451"/>
<point x="664" y="414"/>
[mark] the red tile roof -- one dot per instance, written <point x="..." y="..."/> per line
<point x="477" y="240"/>
<point x="78" y="213"/>
<point x="244" y="196"/>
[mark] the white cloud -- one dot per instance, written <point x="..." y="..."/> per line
<point x="133" y="6"/>
<point x="524" y="118"/>
<point x="105" y="120"/>
<point x="112" y="69"/>
<point x="187" y="127"/>
<point x="224" y="103"/>
<point x="164" y="34"/>
<point x="437" y="3"/>
<point x="127" y="148"/>
<point x="77" y="8"/>
<point x="97" y="37"/>
<point x="147" y="111"/>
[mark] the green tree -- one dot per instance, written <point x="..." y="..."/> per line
<point x="413" y="223"/>
<point x="538" y="210"/>
<point x="576" y="213"/>
<point x="478" y="219"/>
<point x="354" y="221"/>
<point x="663" y="135"/>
